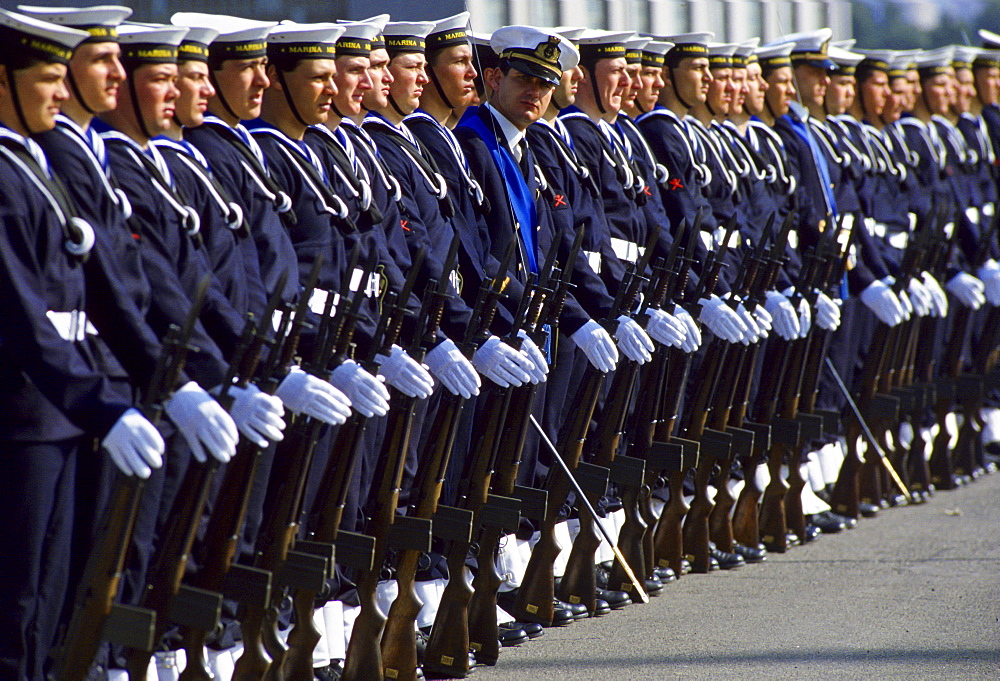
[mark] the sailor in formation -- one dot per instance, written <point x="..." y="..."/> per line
<point x="347" y="349"/>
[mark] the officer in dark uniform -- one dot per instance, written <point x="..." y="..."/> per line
<point x="54" y="397"/>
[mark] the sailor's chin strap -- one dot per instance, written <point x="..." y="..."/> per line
<point x="71" y="79"/>
<point x="673" y="86"/>
<point x="432" y="74"/>
<point x="593" y="85"/>
<point x="221" y="97"/>
<point x="290" y="101"/>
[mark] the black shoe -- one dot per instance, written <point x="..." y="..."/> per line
<point x="332" y="672"/>
<point x="896" y="500"/>
<point x="727" y="561"/>
<point x="792" y="539"/>
<point x="827" y="522"/>
<point x="665" y="575"/>
<point x="532" y="629"/>
<point x="849" y="523"/>
<point x="652" y="586"/>
<point x="511" y="634"/>
<point x="616" y="600"/>
<point x="578" y="610"/>
<point x="685" y="566"/>
<point x="601" y="608"/>
<point x="750" y="555"/>
<point x="868" y="510"/>
<point x="713" y="564"/>
<point x="812" y="533"/>
<point x="602" y="576"/>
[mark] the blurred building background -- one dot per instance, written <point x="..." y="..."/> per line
<point x="875" y="23"/>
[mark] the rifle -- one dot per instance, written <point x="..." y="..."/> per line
<point x="713" y="445"/>
<point x="449" y="643"/>
<point x="364" y="657"/>
<point x="95" y="615"/>
<point x="741" y="363"/>
<point x="284" y="494"/>
<point x="323" y="526"/>
<point x="744" y="524"/>
<point x="579" y="581"/>
<point x="535" y="598"/>
<point x="780" y="507"/>
<point x="217" y="550"/>
<point x="969" y="391"/>
<point x="668" y="453"/>
<point x="196" y="607"/>
<point x="398" y="642"/>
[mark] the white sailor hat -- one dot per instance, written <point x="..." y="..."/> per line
<point x="964" y="56"/>
<point x="878" y="60"/>
<point x="597" y="44"/>
<point x="450" y="31"/>
<point x="357" y="38"/>
<point x="810" y="47"/>
<point x="288" y="43"/>
<point x="570" y="33"/>
<point x="932" y="63"/>
<point x="485" y="57"/>
<point x="846" y="62"/>
<point x="633" y="49"/>
<point x="238" y="38"/>
<point x="987" y="59"/>
<point x="720" y="55"/>
<point x="195" y="46"/>
<point x="380" y="20"/>
<point x="845" y="44"/>
<point x="101" y="21"/>
<point x="991" y="40"/>
<point x="402" y="37"/>
<point x="901" y="62"/>
<point x="744" y="52"/>
<point x="688" y="45"/>
<point x="149" y="43"/>
<point x="24" y="38"/>
<point x="772" y="57"/>
<point x="535" y="52"/>
<point x="655" y="52"/>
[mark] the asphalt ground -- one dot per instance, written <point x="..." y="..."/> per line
<point x="911" y="594"/>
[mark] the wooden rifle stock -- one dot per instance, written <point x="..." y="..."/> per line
<point x="364" y="654"/>
<point x="99" y="586"/>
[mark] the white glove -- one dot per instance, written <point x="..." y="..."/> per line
<point x="633" y="341"/>
<point x="904" y="300"/>
<point x="203" y="422"/>
<point x="805" y="318"/>
<point x="753" y="332"/>
<point x="721" y="320"/>
<point x="536" y="356"/>
<point x="968" y="290"/>
<point x="693" y="339"/>
<point x="134" y="444"/>
<point x="367" y="394"/>
<point x="597" y="345"/>
<point x="666" y="328"/>
<point x="786" y="319"/>
<point x="920" y="297"/>
<point x="257" y="415"/>
<point x="989" y="274"/>
<point x="937" y="295"/>
<point x="880" y="299"/>
<point x="455" y="372"/>
<point x="502" y="364"/>
<point x="827" y="312"/>
<point x="764" y="320"/>
<point x="404" y="374"/>
<point x="303" y="393"/>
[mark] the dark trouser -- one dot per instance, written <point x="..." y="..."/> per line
<point x="36" y="494"/>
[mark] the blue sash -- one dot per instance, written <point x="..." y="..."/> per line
<point x="521" y="199"/>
